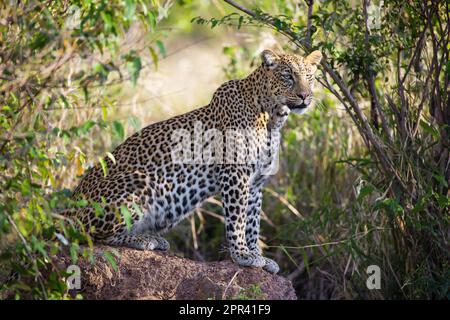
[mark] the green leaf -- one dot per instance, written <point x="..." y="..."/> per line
<point x="241" y="19"/>
<point x="110" y="258"/>
<point x="104" y="166"/>
<point x="118" y="129"/>
<point x="74" y="252"/>
<point x="82" y="203"/>
<point x="65" y="102"/>
<point x="126" y="216"/>
<point x="98" y="67"/>
<point x="99" y="212"/>
<point x="366" y="190"/>
<point x="154" y="56"/>
<point x="443" y="201"/>
<point x="134" y="66"/>
<point x="161" y="47"/>
<point x="39" y="41"/>
<point x="429" y="128"/>
<point x="130" y="9"/>
<point x="39" y="246"/>
<point x="107" y="20"/>
<point x="152" y="19"/>
<point x="441" y="180"/>
<point x="87" y="126"/>
<point x="104" y="113"/>
<point x="135" y="123"/>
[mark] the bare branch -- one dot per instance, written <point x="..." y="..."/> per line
<point x="241" y="8"/>
<point x="310" y="4"/>
<point x="370" y="78"/>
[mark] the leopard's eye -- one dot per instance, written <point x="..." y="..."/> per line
<point x="288" y="79"/>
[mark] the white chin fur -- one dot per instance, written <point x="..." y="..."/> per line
<point x="300" y="110"/>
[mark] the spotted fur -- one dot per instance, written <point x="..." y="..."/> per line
<point x="159" y="192"/>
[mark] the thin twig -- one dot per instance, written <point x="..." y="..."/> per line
<point x="284" y="201"/>
<point x="355" y="236"/>
<point x="229" y="284"/>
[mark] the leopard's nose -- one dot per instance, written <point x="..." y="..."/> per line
<point x="302" y="95"/>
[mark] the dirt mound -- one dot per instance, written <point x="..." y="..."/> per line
<point x="157" y="275"/>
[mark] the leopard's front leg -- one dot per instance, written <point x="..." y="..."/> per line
<point x="252" y="228"/>
<point x="234" y="184"/>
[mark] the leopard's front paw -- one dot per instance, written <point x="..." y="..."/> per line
<point x="248" y="259"/>
<point x="271" y="266"/>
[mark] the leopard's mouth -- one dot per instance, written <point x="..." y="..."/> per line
<point x="298" y="106"/>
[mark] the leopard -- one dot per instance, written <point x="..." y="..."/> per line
<point x="228" y="148"/>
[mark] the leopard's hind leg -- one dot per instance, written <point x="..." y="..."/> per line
<point x="110" y="227"/>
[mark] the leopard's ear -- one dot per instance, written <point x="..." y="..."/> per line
<point x="269" y="59"/>
<point x="314" y="58"/>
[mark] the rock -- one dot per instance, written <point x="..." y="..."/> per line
<point x="149" y="275"/>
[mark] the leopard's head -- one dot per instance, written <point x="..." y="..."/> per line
<point x="291" y="78"/>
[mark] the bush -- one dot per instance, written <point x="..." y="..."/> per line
<point x="57" y="57"/>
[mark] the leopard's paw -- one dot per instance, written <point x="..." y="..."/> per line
<point x="163" y="244"/>
<point x="248" y="259"/>
<point x="271" y="266"/>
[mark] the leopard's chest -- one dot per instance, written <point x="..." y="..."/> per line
<point x="268" y="160"/>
